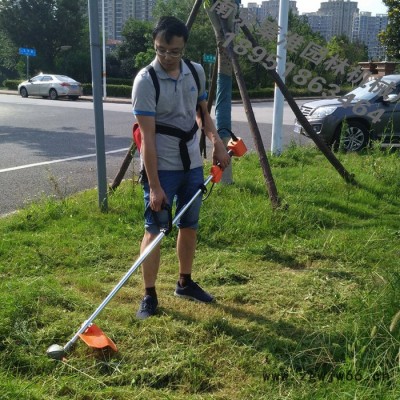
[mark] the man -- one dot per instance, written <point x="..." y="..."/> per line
<point x="167" y="173"/>
<point x="223" y="100"/>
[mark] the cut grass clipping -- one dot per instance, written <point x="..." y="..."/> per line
<point x="307" y="295"/>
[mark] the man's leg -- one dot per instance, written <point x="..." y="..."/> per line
<point x="150" y="267"/>
<point x="151" y="264"/>
<point x="186" y="247"/>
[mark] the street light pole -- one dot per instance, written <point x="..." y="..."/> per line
<point x="277" y="121"/>
<point x="104" y="52"/>
<point x="97" y="103"/>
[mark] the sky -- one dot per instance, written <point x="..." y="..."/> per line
<point x="374" y="6"/>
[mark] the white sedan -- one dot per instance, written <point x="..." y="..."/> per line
<point x="52" y="86"/>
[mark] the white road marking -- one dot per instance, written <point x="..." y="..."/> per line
<point x="58" y="161"/>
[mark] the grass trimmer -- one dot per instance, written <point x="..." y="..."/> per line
<point x="90" y="333"/>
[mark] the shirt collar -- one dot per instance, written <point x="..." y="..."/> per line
<point x="163" y="75"/>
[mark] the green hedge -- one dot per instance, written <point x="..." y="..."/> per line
<point x="118" y="90"/>
<point x="266" y="93"/>
<point x="120" y="81"/>
<point x="112" y="90"/>
<point x="11" y="84"/>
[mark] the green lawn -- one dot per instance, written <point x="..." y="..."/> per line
<point x="307" y="295"/>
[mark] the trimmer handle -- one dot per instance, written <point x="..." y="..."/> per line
<point x="163" y="218"/>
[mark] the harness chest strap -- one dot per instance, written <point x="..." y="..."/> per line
<point x="184" y="137"/>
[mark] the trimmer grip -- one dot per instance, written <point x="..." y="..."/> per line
<point x="216" y="173"/>
<point x="163" y="218"/>
<point x="236" y="147"/>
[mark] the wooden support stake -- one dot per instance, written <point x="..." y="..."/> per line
<point x="269" y="180"/>
<point x="301" y="118"/>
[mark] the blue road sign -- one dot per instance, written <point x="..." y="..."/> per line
<point x="27" y="52"/>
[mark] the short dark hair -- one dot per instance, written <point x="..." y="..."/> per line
<point x="168" y="27"/>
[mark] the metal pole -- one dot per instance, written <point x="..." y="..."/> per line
<point x="104" y="52"/>
<point x="95" y="54"/>
<point x="27" y="67"/>
<point x="277" y="118"/>
<point x="134" y="267"/>
<point x="302" y="119"/>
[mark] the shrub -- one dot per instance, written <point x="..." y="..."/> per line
<point x="11" y="84"/>
<point x="120" y="81"/>
<point x="112" y="90"/>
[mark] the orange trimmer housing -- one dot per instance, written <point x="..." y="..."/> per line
<point x="95" y="337"/>
<point x="236" y="148"/>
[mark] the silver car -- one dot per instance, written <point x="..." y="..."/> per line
<point x="369" y="112"/>
<point x="52" y="86"/>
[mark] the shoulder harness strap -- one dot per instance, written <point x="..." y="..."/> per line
<point x="154" y="78"/>
<point x="194" y="72"/>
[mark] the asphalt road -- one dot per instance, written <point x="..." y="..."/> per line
<point x="47" y="148"/>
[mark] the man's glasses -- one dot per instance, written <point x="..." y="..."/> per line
<point x="172" y="53"/>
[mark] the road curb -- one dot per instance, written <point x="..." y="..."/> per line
<point x="124" y="100"/>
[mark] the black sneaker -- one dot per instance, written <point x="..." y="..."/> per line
<point x="147" y="307"/>
<point x="193" y="292"/>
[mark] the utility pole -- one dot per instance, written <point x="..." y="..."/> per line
<point x="277" y="121"/>
<point x="104" y="51"/>
<point x="95" y="55"/>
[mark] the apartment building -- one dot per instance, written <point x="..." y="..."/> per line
<point x="143" y="9"/>
<point x="366" y="29"/>
<point x="270" y="8"/>
<point x="342" y="12"/>
<point x="342" y="17"/>
<point x="117" y="12"/>
<point x="320" y="23"/>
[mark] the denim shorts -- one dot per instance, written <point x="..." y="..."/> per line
<point x="179" y="186"/>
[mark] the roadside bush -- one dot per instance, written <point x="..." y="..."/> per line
<point x="11" y="84"/>
<point x="112" y="90"/>
<point x="120" y="81"/>
<point x="265" y="93"/>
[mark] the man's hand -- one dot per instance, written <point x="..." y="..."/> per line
<point x="157" y="198"/>
<point x="220" y="155"/>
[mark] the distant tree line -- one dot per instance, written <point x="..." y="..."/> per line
<point x="59" y="31"/>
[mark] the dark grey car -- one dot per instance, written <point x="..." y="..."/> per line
<point x="369" y="112"/>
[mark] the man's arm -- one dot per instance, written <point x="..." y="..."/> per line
<point x="149" y="155"/>
<point x="220" y="155"/>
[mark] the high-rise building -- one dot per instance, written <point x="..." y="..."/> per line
<point x="366" y="29"/>
<point x="342" y="13"/>
<point x="117" y="12"/>
<point x="144" y="9"/>
<point x="270" y="8"/>
<point x="342" y="17"/>
<point x="253" y="9"/>
<point x="320" y="23"/>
